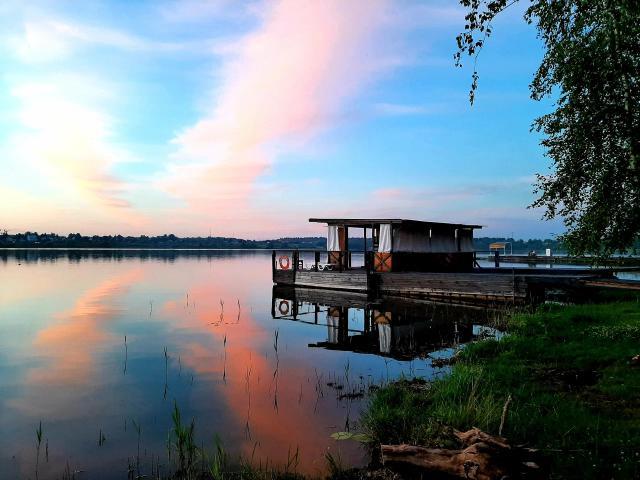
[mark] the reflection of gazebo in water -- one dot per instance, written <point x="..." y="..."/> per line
<point x="401" y="329"/>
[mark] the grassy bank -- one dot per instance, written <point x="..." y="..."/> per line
<point x="575" y="393"/>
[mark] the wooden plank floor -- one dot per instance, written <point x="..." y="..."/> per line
<point x="349" y="280"/>
<point x="486" y="286"/>
<point x="509" y="285"/>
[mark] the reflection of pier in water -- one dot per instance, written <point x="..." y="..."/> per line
<point x="399" y="328"/>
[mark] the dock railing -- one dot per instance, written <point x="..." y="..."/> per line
<point x="320" y="260"/>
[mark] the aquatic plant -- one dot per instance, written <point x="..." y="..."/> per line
<point x="68" y="474"/>
<point x="184" y="444"/>
<point x="293" y="460"/>
<point x="138" y="430"/>
<point x="224" y="366"/>
<point x="276" y="334"/>
<point x="38" y="444"/>
<point x="166" y="373"/>
<point x="126" y="356"/>
<point x="335" y="465"/>
<point x="218" y="463"/>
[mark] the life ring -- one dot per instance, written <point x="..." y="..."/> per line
<point x="283" y="261"/>
<point x="283" y="307"/>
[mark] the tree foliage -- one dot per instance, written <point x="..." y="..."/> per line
<point x="591" y="68"/>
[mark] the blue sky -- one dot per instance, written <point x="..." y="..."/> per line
<point x="248" y="118"/>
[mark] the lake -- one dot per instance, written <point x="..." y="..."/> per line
<point x="99" y="346"/>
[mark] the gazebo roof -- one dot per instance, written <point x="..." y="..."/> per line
<point x="369" y="222"/>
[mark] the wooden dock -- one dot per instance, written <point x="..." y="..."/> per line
<point x="484" y="285"/>
<point x="564" y="260"/>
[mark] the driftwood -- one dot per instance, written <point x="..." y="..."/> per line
<point x="483" y="457"/>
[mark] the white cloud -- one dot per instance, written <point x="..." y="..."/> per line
<point x="61" y="150"/>
<point x="52" y="39"/>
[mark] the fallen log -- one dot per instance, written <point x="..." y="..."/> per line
<point x="483" y="457"/>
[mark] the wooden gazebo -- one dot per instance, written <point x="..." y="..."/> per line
<point x="401" y="245"/>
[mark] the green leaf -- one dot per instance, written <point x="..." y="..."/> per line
<point x="358" y="437"/>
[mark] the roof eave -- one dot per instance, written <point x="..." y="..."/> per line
<point x="361" y="222"/>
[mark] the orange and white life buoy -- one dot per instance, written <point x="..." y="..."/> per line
<point x="283" y="307"/>
<point x="283" y="261"/>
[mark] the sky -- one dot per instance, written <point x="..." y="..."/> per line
<point x="246" y="118"/>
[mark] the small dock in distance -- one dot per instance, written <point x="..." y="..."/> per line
<point x="532" y="260"/>
<point x="423" y="260"/>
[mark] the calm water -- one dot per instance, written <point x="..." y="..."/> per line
<point x="64" y="361"/>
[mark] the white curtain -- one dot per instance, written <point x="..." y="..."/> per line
<point x="384" y="242"/>
<point x="384" y="338"/>
<point x="333" y="243"/>
<point x="333" y="328"/>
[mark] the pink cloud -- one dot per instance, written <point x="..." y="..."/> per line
<point x="281" y="84"/>
<point x="387" y="193"/>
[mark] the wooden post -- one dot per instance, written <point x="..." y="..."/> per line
<point x="497" y="258"/>
<point x="365" y="241"/>
<point x="317" y="260"/>
<point x="273" y="301"/>
<point x="347" y="259"/>
<point x="343" y="326"/>
<point x="273" y="263"/>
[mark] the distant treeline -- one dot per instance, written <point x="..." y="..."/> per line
<point x="76" y="240"/>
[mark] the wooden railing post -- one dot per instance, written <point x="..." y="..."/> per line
<point x="273" y="302"/>
<point x="317" y="260"/>
<point x="273" y="262"/>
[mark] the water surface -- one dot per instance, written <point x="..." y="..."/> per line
<point x="200" y="333"/>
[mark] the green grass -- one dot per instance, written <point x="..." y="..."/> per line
<point x="575" y="394"/>
<point x="193" y="463"/>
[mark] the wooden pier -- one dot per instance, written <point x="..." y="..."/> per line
<point x="628" y="261"/>
<point x="481" y="285"/>
<point x="423" y="259"/>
